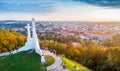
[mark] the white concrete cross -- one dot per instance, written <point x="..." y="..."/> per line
<point x="28" y="31"/>
<point x="36" y="42"/>
<point x="32" y="42"/>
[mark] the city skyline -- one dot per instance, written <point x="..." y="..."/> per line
<point x="60" y="10"/>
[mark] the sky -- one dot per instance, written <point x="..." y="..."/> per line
<point x="60" y="10"/>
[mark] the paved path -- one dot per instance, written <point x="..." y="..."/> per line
<point x="4" y="54"/>
<point x="57" y="65"/>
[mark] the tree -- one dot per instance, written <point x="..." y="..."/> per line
<point x="114" y="58"/>
<point x="108" y="43"/>
<point x="10" y="39"/>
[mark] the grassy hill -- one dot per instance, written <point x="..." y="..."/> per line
<point x="71" y="65"/>
<point x="23" y="61"/>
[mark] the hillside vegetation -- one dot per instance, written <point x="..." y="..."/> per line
<point x="9" y="40"/>
<point x="105" y="57"/>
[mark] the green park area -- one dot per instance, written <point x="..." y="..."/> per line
<point x="72" y="65"/>
<point x="24" y="61"/>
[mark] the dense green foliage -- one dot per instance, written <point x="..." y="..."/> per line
<point x="62" y="39"/>
<point x="23" y="61"/>
<point x="10" y="39"/>
<point x="90" y="54"/>
<point x="49" y="60"/>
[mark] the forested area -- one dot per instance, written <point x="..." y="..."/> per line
<point x="9" y="40"/>
<point x="105" y="57"/>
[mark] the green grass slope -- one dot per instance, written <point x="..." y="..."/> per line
<point x="71" y="65"/>
<point x="23" y="61"/>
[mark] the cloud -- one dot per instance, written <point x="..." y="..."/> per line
<point x="102" y="3"/>
<point x="31" y="6"/>
<point x="48" y="6"/>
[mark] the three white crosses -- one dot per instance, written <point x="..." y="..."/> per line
<point x="32" y="42"/>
